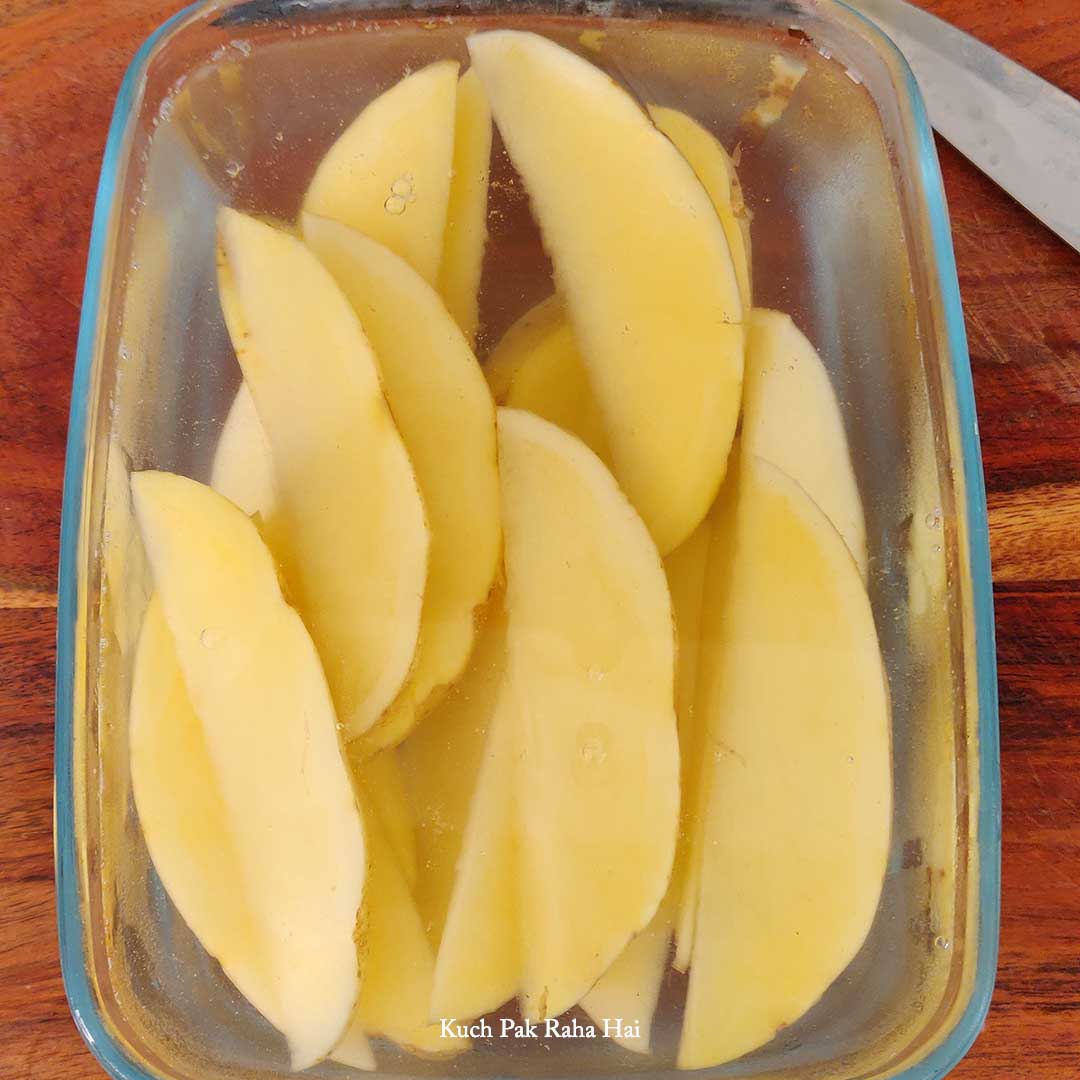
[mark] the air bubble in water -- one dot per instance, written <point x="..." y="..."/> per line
<point x="233" y="169"/>
<point x="208" y="639"/>
<point x="395" y="204"/>
<point x="933" y="519"/>
<point x="403" y="186"/>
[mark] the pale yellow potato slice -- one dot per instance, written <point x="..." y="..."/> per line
<point x="716" y="171"/>
<point x="784" y="379"/>
<point x="381" y="779"/>
<point x="126" y="577"/>
<point x="686" y="568"/>
<point x="623" y="1002"/>
<point x="186" y="828"/>
<point x="256" y="685"/>
<point x="243" y="470"/>
<point x="792" y="418"/>
<point x="797" y="825"/>
<point x="388" y="174"/>
<point x="185" y="821"/>
<point x="480" y="960"/>
<point x="396" y="959"/>
<point x="466" y="215"/>
<point x="537" y="367"/>
<point x="629" y="989"/>
<point x="440" y="762"/>
<point x="642" y="264"/>
<point x="446" y="417"/>
<point x="351" y="532"/>
<point x="700" y="575"/>
<point x="518" y="344"/>
<point x="355" y="1050"/>
<point x="591" y="662"/>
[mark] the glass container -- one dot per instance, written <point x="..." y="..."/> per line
<point x="234" y="103"/>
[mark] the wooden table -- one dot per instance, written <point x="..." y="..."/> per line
<point x="60" y="65"/>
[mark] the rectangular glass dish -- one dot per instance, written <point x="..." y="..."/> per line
<point x="234" y="104"/>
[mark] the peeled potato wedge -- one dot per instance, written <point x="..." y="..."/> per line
<point x="716" y="171"/>
<point x="355" y="1050"/>
<point x="792" y="418"/>
<point x="380" y="778"/>
<point x="440" y="762"/>
<point x="643" y="267"/>
<point x="243" y="470"/>
<point x="446" y="417"/>
<point x="630" y="988"/>
<point x="481" y="952"/>
<point x="125" y="575"/>
<point x="388" y="174"/>
<point x="700" y="577"/>
<point x="797" y="824"/>
<point x="186" y="828"/>
<point x="185" y="821"/>
<point x="518" y="344"/>
<point x="466" y="214"/>
<point x="396" y="959"/>
<point x="591" y="667"/>
<point x="291" y="841"/>
<point x="355" y="554"/>
<point x="537" y="367"/>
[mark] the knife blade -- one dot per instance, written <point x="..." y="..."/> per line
<point x="1020" y="130"/>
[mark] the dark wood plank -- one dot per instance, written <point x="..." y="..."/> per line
<point x="1021" y="291"/>
<point x="60" y="65"/>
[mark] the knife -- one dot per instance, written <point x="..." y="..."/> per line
<point x="1020" y="130"/>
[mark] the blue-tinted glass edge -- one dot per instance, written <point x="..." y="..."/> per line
<point x="77" y="987"/>
<point x="947" y="1055"/>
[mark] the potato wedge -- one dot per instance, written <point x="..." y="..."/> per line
<point x="644" y="269"/>
<point x="791" y="417"/>
<point x="537" y="367"/>
<point x="388" y="174"/>
<point x="714" y="168"/>
<point x="446" y="417"/>
<point x="591" y="661"/>
<point x="798" y="818"/>
<point x="290" y="828"/>
<point x="466" y="214"/>
<point x="355" y="555"/>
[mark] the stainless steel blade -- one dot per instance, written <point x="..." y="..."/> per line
<point x="1017" y="128"/>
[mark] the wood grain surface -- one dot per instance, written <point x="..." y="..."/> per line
<point x="61" y="62"/>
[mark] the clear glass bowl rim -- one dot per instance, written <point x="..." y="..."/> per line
<point x="81" y="1000"/>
